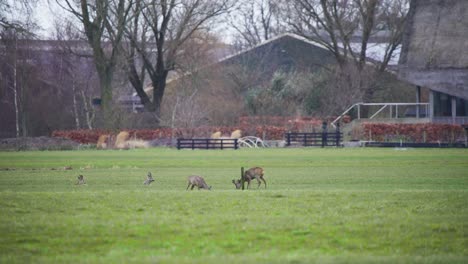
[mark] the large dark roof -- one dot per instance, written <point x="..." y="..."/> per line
<point x="435" y="46"/>
<point x="286" y="52"/>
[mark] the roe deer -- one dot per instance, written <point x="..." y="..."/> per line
<point x="250" y="174"/>
<point x="149" y="179"/>
<point x="81" y="180"/>
<point x="197" y="181"/>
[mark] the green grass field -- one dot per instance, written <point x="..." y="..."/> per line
<point x="322" y="206"/>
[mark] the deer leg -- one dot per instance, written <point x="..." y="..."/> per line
<point x="193" y="185"/>
<point x="248" y="183"/>
<point x="188" y="186"/>
<point x="258" y="181"/>
<point x="263" y="181"/>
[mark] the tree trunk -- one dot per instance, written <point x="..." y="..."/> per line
<point x="89" y="113"/>
<point x="15" y="95"/>
<point x="23" y="112"/>
<point x="105" y="81"/>
<point x="159" y="85"/>
<point x="75" y="106"/>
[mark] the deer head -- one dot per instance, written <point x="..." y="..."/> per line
<point x="237" y="183"/>
<point x="149" y="179"/>
<point x="81" y="180"/>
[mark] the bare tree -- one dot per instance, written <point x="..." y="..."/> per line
<point x="335" y="24"/>
<point x="15" y="7"/>
<point x="157" y="34"/>
<point x="256" y="21"/>
<point x="74" y="71"/>
<point x="200" y="95"/>
<point x="20" y="73"/>
<point x="104" y="24"/>
<point x="185" y="99"/>
<point x="392" y="18"/>
<point x="12" y="29"/>
<point x="10" y="59"/>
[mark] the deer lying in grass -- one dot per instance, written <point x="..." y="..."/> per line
<point x="198" y="181"/>
<point x="81" y="180"/>
<point x="149" y="179"/>
<point x="250" y="174"/>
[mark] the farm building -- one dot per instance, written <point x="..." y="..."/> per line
<point x="256" y="65"/>
<point x="238" y="76"/>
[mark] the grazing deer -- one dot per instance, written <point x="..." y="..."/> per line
<point x="81" y="180"/>
<point x="149" y="179"/>
<point x="197" y="181"/>
<point x="250" y="174"/>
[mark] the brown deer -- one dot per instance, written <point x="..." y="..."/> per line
<point x="198" y="181"/>
<point x="149" y="179"/>
<point x="250" y="174"/>
<point x="81" y="180"/>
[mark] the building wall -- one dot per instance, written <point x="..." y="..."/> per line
<point x="435" y="46"/>
<point x="439" y="35"/>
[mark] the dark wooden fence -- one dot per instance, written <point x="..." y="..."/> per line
<point x="317" y="139"/>
<point x="207" y="143"/>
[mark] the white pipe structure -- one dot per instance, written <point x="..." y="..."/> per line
<point x="384" y="105"/>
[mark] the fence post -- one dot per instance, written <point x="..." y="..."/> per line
<point x="338" y="134"/>
<point x="235" y="143"/>
<point x="358" y="111"/>
<point x="288" y="139"/>
<point x="207" y="143"/>
<point x="466" y="135"/>
<point x="193" y="144"/>
<point x="178" y="143"/>
<point x="222" y="140"/>
<point x="305" y="139"/>
<point x="324" y="134"/>
<point x="242" y="177"/>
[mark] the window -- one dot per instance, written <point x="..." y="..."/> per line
<point x="462" y="107"/>
<point x="442" y="104"/>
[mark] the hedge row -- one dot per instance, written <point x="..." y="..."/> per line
<point x="419" y="133"/>
<point x="91" y="136"/>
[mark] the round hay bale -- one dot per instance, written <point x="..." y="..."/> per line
<point x="216" y="135"/>
<point x="121" y="140"/>
<point x="102" y="142"/>
<point x="236" y="133"/>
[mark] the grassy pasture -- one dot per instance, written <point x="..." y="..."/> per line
<point x="321" y="205"/>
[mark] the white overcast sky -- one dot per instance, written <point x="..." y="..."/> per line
<point x="46" y="12"/>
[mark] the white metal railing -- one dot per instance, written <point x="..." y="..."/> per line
<point x="391" y="107"/>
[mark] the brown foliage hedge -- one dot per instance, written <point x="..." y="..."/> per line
<point x="419" y="133"/>
<point x="91" y="136"/>
<point x="269" y="127"/>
